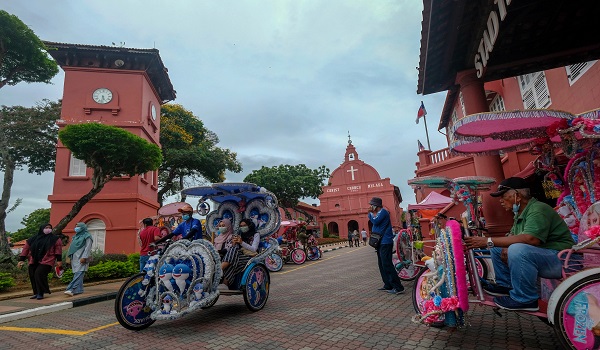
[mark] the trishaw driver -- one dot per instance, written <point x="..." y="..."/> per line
<point x="529" y="251"/>
<point x="190" y="228"/>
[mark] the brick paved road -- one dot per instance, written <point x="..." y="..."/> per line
<point x="330" y="304"/>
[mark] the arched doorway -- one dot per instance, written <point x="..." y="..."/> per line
<point x="352" y="225"/>
<point x="333" y="228"/>
<point x="97" y="228"/>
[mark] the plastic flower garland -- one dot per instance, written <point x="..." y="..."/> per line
<point x="434" y="308"/>
<point x="593" y="232"/>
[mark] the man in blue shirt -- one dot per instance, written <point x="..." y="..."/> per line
<point x="380" y="218"/>
<point x="190" y="228"/>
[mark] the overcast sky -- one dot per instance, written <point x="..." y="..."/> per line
<point x="279" y="81"/>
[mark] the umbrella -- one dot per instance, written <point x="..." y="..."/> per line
<point x="492" y="132"/>
<point x="513" y="125"/>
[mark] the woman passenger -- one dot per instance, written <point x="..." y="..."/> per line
<point x="248" y="238"/>
<point x="232" y="260"/>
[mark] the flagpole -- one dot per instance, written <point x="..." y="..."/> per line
<point x="426" y="132"/>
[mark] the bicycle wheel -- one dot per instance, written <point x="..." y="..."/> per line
<point x="274" y="262"/>
<point x="130" y="308"/>
<point x="572" y="314"/>
<point x="313" y="253"/>
<point x="410" y="272"/>
<point x="298" y="256"/>
<point x="256" y="288"/>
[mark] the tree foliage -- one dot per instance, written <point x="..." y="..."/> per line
<point x="190" y="152"/>
<point x="28" y="138"/>
<point x="23" y="55"/>
<point x="110" y="152"/>
<point x="290" y="183"/>
<point x="31" y="223"/>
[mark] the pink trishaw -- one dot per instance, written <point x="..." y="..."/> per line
<point x="570" y="304"/>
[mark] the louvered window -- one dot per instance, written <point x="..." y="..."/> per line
<point x="497" y="104"/>
<point x="77" y="167"/>
<point x="534" y="90"/>
<point x="575" y="71"/>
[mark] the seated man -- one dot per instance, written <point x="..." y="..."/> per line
<point x="529" y="251"/>
<point x="190" y="228"/>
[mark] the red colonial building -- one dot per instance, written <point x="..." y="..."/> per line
<point x="116" y="86"/>
<point x="344" y="203"/>
<point x="499" y="55"/>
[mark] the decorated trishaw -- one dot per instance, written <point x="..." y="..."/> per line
<point x="570" y="304"/>
<point x="184" y="276"/>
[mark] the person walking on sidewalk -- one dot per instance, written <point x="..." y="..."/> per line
<point x="363" y="234"/>
<point x="79" y="252"/>
<point x="148" y="235"/>
<point x="380" y="218"/>
<point x="350" y="238"/>
<point x="42" y="251"/>
<point x="356" y="238"/>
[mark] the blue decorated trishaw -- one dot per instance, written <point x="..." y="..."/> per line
<point x="184" y="276"/>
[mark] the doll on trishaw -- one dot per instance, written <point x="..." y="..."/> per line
<point x="569" y="303"/>
<point x="185" y="276"/>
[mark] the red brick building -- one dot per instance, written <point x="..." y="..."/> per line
<point x="344" y="203"/>
<point x="503" y="55"/>
<point x="115" y="86"/>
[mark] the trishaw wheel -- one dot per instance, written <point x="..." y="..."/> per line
<point x="298" y="256"/>
<point x="130" y="308"/>
<point x="313" y="254"/>
<point x="256" y="288"/>
<point x="420" y="291"/>
<point x="274" y="262"/>
<point x="410" y="272"/>
<point x="573" y="314"/>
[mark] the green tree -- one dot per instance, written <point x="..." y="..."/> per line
<point x="190" y="152"/>
<point x="27" y="140"/>
<point x="110" y="152"/>
<point x="290" y="183"/>
<point x="32" y="223"/>
<point x="23" y="55"/>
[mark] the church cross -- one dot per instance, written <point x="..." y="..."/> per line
<point x="352" y="170"/>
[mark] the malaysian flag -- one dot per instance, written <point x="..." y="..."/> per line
<point x="422" y="112"/>
<point x="421" y="147"/>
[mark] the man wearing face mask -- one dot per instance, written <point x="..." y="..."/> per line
<point x="190" y="228"/>
<point x="380" y="218"/>
<point x="529" y="251"/>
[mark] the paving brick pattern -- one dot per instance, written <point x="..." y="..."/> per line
<point x="330" y="304"/>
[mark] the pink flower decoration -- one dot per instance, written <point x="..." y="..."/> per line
<point x="593" y="232"/>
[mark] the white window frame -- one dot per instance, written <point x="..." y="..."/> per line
<point x="77" y="167"/>
<point x="575" y="71"/>
<point x="534" y="90"/>
<point x="497" y="104"/>
<point x="97" y="229"/>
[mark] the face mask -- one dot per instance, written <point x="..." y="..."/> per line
<point x="222" y="230"/>
<point x="47" y="230"/>
<point x="373" y="207"/>
<point x="516" y="206"/>
<point x="77" y="229"/>
<point x="185" y="217"/>
<point x="244" y="229"/>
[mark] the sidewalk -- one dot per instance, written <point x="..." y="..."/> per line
<point x="17" y="305"/>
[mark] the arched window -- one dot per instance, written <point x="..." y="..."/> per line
<point x="97" y="228"/>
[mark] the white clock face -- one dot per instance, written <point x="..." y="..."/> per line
<point x="102" y="95"/>
<point x="153" y="112"/>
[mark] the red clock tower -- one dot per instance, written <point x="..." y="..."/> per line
<point x="116" y="86"/>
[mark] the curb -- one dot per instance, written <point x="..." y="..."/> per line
<point x="56" y="307"/>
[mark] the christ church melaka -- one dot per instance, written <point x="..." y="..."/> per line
<point x="344" y="203"/>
